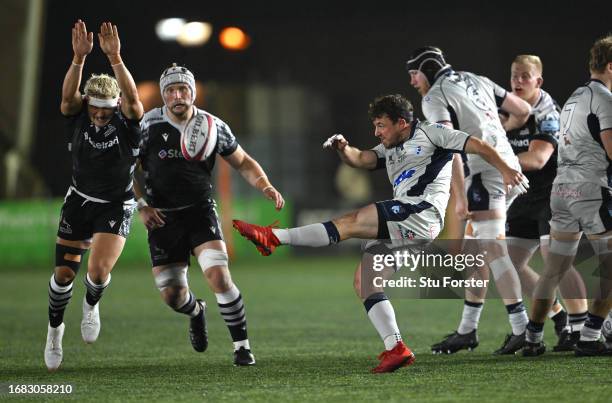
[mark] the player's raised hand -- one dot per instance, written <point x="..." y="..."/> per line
<point x="336" y="142"/>
<point x="272" y="194"/>
<point x="109" y="39"/>
<point x="82" y="41"/>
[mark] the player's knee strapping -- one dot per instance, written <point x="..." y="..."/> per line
<point x="68" y="256"/>
<point x="602" y="246"/>
<point x="211" y="257"/>
<point x="489" y="229"/>
<point x="564" y="247"/>
<point x="172" y="276"/>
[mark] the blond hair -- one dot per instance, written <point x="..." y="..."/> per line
<point x="102" y="86"/>
<point x="530" y="59"/>
<point x="601" y="54"/>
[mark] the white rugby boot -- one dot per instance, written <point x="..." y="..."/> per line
<point x="53" y="348"/>
<point x="90" y="325"/>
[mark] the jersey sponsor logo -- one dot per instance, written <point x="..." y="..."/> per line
<point x="112" y="223"/>
<point x="165" y="136"/>
<point x="519" y="143"/>
<point x="549" y="126"/>
<point x="213" y="229"/>
<point x="101" y="145"/>
<point x="407" y="174"/>
<point x="396" y="209"/>
<point x="163" y="154"/>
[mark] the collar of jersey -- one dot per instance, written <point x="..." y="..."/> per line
<point x="597" y="81"/>
<point x="411" y="135"/>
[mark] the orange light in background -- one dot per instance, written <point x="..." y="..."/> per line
<point x="233" y="38"/>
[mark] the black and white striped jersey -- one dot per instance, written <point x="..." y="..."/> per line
<point x="170" y="180"/>
<point x="420" y="168"/>
<point x="470" y="102"/>
<point x="582" y="157"/>
<point x="543" y="124"/>
<point x="103" y="159"/>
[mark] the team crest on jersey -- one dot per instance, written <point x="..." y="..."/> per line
<point x="109" y="129"/>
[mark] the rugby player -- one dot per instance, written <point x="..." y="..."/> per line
<point x="179" y="211"/>
<point x="468" y="102"/>
<point x="103" y="134"/>
<point x="527" y="227"/>
<point x="581" y="201"/>
<point x="417" y="156"/>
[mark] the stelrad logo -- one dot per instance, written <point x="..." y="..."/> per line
<point x="163" y="154"/>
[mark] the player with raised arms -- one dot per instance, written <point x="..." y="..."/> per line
<point x="103" y="134"/>
<point x="417" y="156"/>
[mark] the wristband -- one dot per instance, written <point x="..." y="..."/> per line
<point x="141" y="203"/>
<point x="266" y="188"/>
<point x="76" y="64"/>
<point x="118" y="64"/>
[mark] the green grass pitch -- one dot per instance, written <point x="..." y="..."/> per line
<point x="310" y="335"/>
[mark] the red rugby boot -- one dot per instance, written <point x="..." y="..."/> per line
<point x="263" y="237"/>
<point x="390" y="360"/>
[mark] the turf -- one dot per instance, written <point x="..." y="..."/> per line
<point x="310" y="335"/>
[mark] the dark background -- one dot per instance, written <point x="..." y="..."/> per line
<point x="347" y="52"/>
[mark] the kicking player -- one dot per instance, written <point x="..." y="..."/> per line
<point x="581" y="201"/>
<point x="417" y="157"/>
<point x="103" y="135"/>
<point x="527" y="226"/>
<point x="180" y="214"/>
<point x="469" y="102"/>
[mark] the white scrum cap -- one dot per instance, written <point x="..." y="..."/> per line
<point x="177" y="74"/>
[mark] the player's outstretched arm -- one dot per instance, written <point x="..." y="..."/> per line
<point x="131" y="107"/>
<point x="518" y="109"/>
<point x="82" y="43"/>
<point x="512" y="177"/>
<point x="255" y="176"/>
<point x="351" y="156"/>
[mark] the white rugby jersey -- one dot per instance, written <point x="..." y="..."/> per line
<point x="470" y="102"/>
<point x="582" y="157"/>
<point x="420" y="167"/>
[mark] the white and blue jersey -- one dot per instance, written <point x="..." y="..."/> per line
<point x="420" y="167"/>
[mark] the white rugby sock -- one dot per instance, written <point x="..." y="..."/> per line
<point x="607" y="326"/>
<point x="382" y="316"/>
<point x="314" y="235"/>
<point x="470" y="317"/>
<point x="517" y="316"/>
